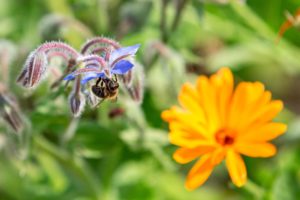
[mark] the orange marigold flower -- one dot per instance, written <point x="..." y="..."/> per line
<point x="216" y="122"/>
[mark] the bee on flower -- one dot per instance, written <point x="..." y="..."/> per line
<point x="216" y="122"/>
<point x="105" y="70"/>
<point x="95" y="70"/>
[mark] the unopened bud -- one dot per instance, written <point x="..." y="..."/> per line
<point x="33" y="70"/>
<point x="9" y="110"/>
<point x="127" y="78"/>
<point x="77" y="103"/>
<point x="37" y="62"/>
<point x="134" y="82"/>
<point x="76" y="99"/>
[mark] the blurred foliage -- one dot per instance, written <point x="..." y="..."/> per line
<point x="128" y="156"/>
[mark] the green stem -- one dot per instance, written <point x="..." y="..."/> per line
<point x="285" y="53"/>
<point x="254" y="189"/>
<point x="163" y="15"/>
<point x="179" y="8"/>
<point x="252" y="19"/>
<point x="74" y="164"/>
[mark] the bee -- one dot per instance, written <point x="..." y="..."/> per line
<point x="106" y="88"/>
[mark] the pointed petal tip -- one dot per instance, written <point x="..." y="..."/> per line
<point x="188" y="187"/>
<point x="69" y="77"/>
<point x="122" y="67"/>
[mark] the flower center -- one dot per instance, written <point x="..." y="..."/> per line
<point x="225" y="136"/>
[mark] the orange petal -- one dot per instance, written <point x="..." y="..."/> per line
<point x="256" y="149"/>
<point x="224" y="93"/>
<point x="236" y="168"/>
<point x="253" y="111"/>
<point x="217" y="156"/>
<point x="167" y="115"/>
<point x="263" y="133"/>
<point x="189" y="90"/>
<point x="191" y="103"/>
<point x="256" y="99"/>
<point x="190" y="141"/>
<point x="265" y="113"/>
<point x="186" y="155"/>
<point x="271" y="111"/>
<point x="193" y="128"/>
<point x="207" y="93"/>
<point x="186" y="125"/>
<point x="199" y="173"/>
<point x="238" y="103"/>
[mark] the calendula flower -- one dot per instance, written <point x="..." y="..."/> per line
<point x="216" y="122"/>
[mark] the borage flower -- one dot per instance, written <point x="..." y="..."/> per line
<point x="216" y="122"/>
<point x="94" y="66"/>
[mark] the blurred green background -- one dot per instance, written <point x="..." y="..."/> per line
<point x="128" y="157"/>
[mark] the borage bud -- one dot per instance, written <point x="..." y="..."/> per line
<point x="77" y="99"/>
<point x="134" y="83"/>
<point x="9" y="110"/>
<point x="37" y="62"/>
<point x="33" y="70"/>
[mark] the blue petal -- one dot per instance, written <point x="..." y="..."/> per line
<point x="88" y="69"/>
<point x="89" y="76"/>
<point x="122" y="67"/>
<point x="70" y="77"/>
<point x="131" y="50"/>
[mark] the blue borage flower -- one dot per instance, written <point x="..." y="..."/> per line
<point x="96" y="66"/>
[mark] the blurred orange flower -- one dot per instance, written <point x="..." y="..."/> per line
<point x="216" y="122"/>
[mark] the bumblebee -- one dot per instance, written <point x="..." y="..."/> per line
<point x="106" y="88"/>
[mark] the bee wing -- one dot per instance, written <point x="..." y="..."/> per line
<point x="93" y="100"/>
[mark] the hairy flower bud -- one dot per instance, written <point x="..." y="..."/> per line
<point x="33" y="70"/>
<point x="37" y="62"/>
<point x="134" y="82"/>
<point x="77" y="103"/>
<point x="76" y="99"/>
<point x="9" y="110"/>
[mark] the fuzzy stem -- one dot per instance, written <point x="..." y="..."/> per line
<point x="58" y="46"/>
<point x="71" y="64"/>
<point x="99" y="40"/>
<point x="96" y="58"/>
